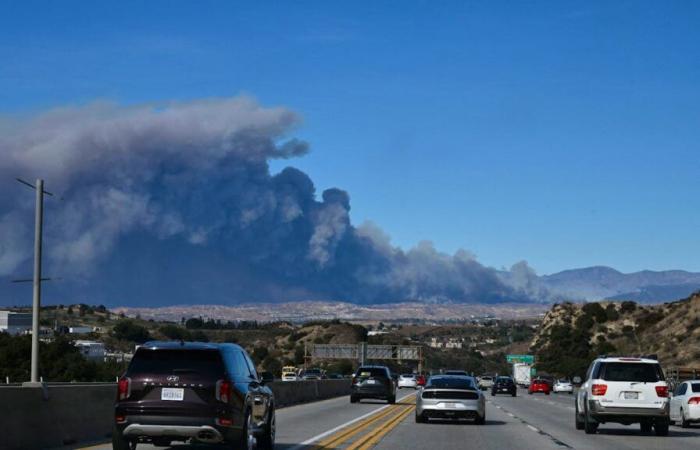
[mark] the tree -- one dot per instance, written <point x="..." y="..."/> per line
<point x="273" y="365"/>
<point x="128" y="330"/>
<point x="176" y="333"/>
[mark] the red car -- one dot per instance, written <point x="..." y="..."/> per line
<point x="538" y="385"/>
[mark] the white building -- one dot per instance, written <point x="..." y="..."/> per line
<point x="15" y="323"/>
<point x="91" y="349"/>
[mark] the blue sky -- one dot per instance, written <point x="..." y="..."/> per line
<point x="563" y="133"/>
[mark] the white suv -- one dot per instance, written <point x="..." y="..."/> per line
<point x="623" y="390"/>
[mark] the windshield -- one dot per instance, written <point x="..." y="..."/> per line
<point x="149" y="361"/>
<point x="640" y="372"/>
<point x="366" y="372"/>
<point x="450" y="383"/>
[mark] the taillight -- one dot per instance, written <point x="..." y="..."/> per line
<point x="354" y="380"/>
<point x="123" y="388"/>
<point x="599" y="389"/>
<point x="120" y="418"/>
<point x="224" y="421"/>
<point x="662" y="391"/>
<point x="223" y="390"/>
<point x="694" y="401"/>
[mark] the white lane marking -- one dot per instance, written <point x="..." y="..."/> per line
<point x="533" y="429"/>
<point x="350" y="422"/>
<point x="511" y="414"/>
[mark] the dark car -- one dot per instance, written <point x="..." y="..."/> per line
<point x="504" y="385"/>
<point x="373" y="382"/>
<point x="196" y="392"/>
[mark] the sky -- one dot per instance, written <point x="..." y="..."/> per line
<point x="564" y="133"/>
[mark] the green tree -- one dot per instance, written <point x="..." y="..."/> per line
<point x="175" y="332"/>
<point x="128" y="330"/>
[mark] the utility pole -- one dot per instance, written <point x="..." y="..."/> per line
<point x="36" y="281"/>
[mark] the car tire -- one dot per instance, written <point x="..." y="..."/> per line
<point x="578" y="420"/>
<point x="645" y="426"/>
<point x="589" y="426"/>
<point x="420" y="418"/>
<point x="514" y="394"/>
<point x="493" y="394"/>
<point x="546" y="393"/>
<point x="391" y="400"/>
<point x="480" y="420"/>
<point x="266" y="441"/>
<point x="354" y="399"/>
<point x="661" y="427"/>
<point x="684" y="422"/>
<point x="246" y="441"/>
<point x="119" y="442"/>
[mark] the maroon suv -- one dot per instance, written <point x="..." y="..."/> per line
<point x="196" y="392"/>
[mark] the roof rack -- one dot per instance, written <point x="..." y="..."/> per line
<point x="653" y="356"/>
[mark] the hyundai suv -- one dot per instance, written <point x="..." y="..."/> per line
<point x="373" y="382"/>
<point x="196" y="392"/>
<point x="623" y="390"/>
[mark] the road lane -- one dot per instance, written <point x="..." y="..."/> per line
<point x="554" y="415"/>
<point x="298" y="427"/>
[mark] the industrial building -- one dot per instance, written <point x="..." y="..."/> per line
<point x="15" y="323"/>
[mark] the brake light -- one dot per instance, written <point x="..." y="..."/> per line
<point x="224" y="422"/>
<point x="694" y="401"/>
<point x="123" y="388"/>
<point x="599" y="389"/>
<point x="354" y="380"/>
<point x="662" y="391"/>
<point x="120" y="419"/>
<point x="223" y="390"/>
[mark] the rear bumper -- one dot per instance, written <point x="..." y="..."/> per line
<point x="371" y="392"/>
<point x="203" y="433"/>
<point x="469" y="409"/>
<point x="623" y="414"/>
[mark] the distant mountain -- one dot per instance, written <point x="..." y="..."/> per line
<point x="600" y="282"/>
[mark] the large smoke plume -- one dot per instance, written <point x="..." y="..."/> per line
<point x="175" y="203"/>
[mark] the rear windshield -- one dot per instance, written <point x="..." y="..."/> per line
<point x="641" y="372"/>
<point x="696" y="387"/>
<point x="503" y="379"/>
<point x="313" y="372"/>
<point x="407" y="375"/>
<point x="450" y="383"/>
<point x="203" y="362"/>
<point x="366" y="372"/>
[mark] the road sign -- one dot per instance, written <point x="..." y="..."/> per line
<point x="527" y="359"/>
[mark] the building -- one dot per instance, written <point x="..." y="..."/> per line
<point x="91" y="349"/>
<point x="15" y="323"/>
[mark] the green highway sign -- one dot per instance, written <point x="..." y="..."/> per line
<point x="527" y="359"/>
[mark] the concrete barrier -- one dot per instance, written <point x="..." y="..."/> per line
<point x="65" y="414"/>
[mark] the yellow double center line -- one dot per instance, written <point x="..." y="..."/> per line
<point x="373" y="437"/>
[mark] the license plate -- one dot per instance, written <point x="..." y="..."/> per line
<point x="174" y="394"/>
<point x="631" y="395"/>
<point x="371" y="381"/>
<point x="449" y="405"/>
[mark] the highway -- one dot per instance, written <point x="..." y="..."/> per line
<point x="524" y="422"/>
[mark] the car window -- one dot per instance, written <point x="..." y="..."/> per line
<point x="251" y="366"/>
<point x="682" y="389"/>
<point x="236" y="364"/>
<point x="642" y="372"/>
<point x="366" y="372"/>
<point x="450" y="383"/>
<point x="695" y="387"/>
<point x="173" y="361"/>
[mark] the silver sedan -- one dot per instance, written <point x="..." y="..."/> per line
<point x="451" y="397"/>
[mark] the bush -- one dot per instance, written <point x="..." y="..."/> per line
<point x="128" y="330"/>
<point x="175" y="332"/>
<point x="596" y="311"/>
<point x="628" y="307"/>
<point x="611" y="312"/>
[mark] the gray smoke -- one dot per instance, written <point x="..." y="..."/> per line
<point x="176" y="202"/>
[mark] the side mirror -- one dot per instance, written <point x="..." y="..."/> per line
<point x="266" y="377"/>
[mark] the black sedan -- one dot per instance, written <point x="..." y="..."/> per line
<point x="504" y="385"/>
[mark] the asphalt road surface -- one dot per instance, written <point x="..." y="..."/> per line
<point x="524" y="422"/>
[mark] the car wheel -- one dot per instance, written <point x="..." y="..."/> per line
<point x="420" y="418"/>
<point x="578" y="419"/>
<point x="514" y="393"/>
<point x="684" y="421"/>
<point x="353" y="399"/>
<point x="661" y="427"/>
<point x="392" y="400"/>
<point x="119" y="442"/>
<point x="480" y="420"/>
<point x="645" y="426"/>
<point x="267" y="439"/>
<point x="589" y="426"/>
<point x="247" y="439"/>
<point x="546" y="393"/>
